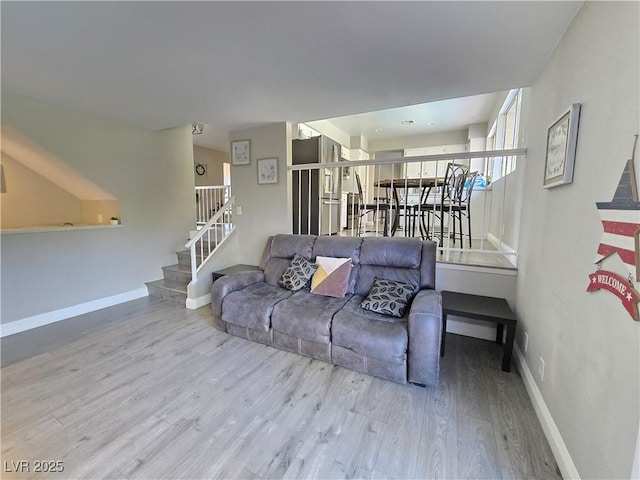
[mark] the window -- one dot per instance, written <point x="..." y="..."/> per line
<point x="226" y="173"/>
<point x="504" y="133"/>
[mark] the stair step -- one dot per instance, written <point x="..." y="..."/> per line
<point x="168" y="290"/>
<point x="184" y="257"/>
<point x="177" y="273"/>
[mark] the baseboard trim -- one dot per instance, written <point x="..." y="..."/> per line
<point x="195" y="303"/>
<point x="560" y="451"/>
<point x="36" y="321"/>
<point x="495" y="241"/>
<point x="475" y="330"/>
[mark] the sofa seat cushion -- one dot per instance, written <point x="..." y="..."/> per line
<point x="370" y="334"/>
<point x="307" y="316"/>
<point x="252" y="306"/>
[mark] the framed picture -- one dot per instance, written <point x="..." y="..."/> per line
<point x="267" y="170"/>
<point x="241" y="152"/>
<point x="562" y="138"/>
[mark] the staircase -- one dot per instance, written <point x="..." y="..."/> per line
<point x="173" y="285"/>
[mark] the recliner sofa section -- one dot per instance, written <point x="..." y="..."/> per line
<point x="338" y="330"/>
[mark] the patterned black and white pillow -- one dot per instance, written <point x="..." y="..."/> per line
<point x="388" y="297"/>
<point x="297" y="274"/>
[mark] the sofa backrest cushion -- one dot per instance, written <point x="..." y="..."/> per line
<point x="428" y="265"/>
<point x="266" y="253"/>
<point x="282" y="248"/>
<point x="341" y="247"/>
<point x="390" y="258"/>
<point x="407" y="260"/>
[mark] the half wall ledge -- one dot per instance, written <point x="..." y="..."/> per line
<point x="68" y="228"/>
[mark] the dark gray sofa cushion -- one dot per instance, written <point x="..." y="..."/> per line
<point x="252" y="306"/>
<point x="428" y="266"/>
<point x="391" y="258"/>
<point x="399" y="252"/>
<point x="370" y="334"/>
<point x="307" y="316"/>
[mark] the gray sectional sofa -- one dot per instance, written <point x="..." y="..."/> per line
<point x="337" y="330"/>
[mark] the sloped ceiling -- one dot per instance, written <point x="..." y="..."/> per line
<point x="21" y="149"/>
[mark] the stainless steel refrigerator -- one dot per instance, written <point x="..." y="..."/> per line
<point x="316" y="193"/>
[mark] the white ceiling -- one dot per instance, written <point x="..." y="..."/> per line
<point x="233" y="65"/>
<point x="426" y="118"/>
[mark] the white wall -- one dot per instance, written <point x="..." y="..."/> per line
<point x="588" y="341"/>
<point x="328" y="129"/>
<point x="32" y="199"/>
<point x="151" y="174"/>
<point x="266" y="209"/>
<point x="492" y="282"/>
<point x="505" y="209"/>
<point x="453" y="137"/>
<point x="213" y="161"/>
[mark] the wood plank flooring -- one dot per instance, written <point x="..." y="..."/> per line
<point x="149" y="390"/>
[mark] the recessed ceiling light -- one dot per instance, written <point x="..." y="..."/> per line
<point x="407" y="122"/>
<point x="430" y="124"/>
<point x="377" y="130"/>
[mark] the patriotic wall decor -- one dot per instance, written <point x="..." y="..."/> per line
<point x="621" y="236"/>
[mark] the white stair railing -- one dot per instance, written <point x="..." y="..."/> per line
<point x="212" y="234"/>
<point x="209" y="200"/>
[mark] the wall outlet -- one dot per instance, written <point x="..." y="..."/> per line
<point x="541" y="369"/>
<point x="239" y="210"/>
<point x="526" y="342"/>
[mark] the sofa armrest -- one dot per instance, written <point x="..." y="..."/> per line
<point x="425" y="331"/>
<point x="231" y="283"/>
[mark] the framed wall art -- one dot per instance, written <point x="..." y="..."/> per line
<point x="267" y="170"/>
<point x="562" y="138"/>
<point x="241" y="152"/>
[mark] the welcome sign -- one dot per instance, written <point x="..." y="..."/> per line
<point x="621" y="236"/>
<point x="619" y="286"/>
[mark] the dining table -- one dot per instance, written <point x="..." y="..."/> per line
<point x="425" y="184"/>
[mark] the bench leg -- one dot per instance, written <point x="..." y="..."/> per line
<point x="508" y="348"/>
<point x="444" y="333"/>
<point x="499" y="333"/>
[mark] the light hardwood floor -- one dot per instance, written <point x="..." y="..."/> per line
<point x="149" y="390"/>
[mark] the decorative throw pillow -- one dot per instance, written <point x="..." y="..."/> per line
<point x="388" y="297"/>
<point x="332" y="277"/>
<point x="297" y="274"/>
